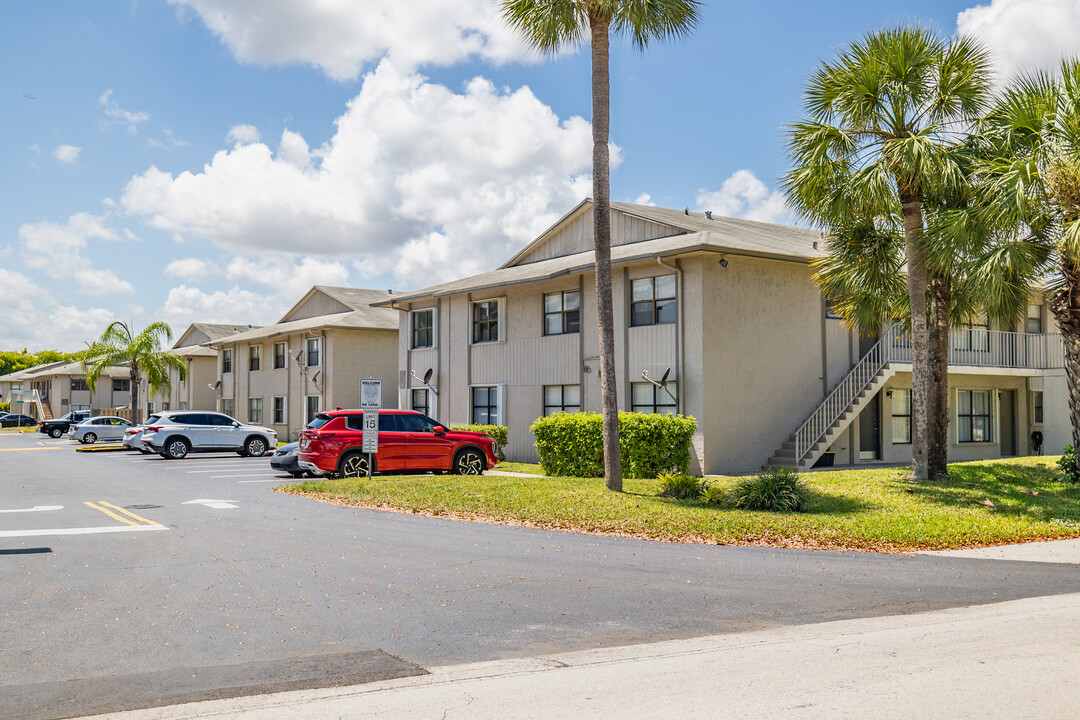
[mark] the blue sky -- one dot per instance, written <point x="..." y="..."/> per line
<point x="209" y="160"/>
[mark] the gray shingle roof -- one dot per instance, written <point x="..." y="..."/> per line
<point x="364" y="319"/>
<point x="356" y="298"/>
<point x="216" y="331"/>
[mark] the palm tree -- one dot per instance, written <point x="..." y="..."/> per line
<point x="1032" y="174"/>
<point x="548" y="26"/>
<point x="141" y="354"/>
<point x="884" y="118"/>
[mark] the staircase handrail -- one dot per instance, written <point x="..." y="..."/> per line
<point x="840" y="399"/>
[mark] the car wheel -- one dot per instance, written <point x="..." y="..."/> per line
<point x="355" y="466"/>
<point x="89" y="438"/>
<point x="298" y="474"/>
<point x="255" y="447"/>
<point x="468" y="462"/>
<point x="176" y="449"/>
<point x="56" y="432"/>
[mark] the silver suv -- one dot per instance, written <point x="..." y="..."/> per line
<point x="175" y="434"/>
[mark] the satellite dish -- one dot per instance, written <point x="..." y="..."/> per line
<point x="299" y="355"/>
<point x="663" y="380"/>
<point x="315" y="377"/>
<point x="427" y="375"/>
<point x="217" y="384"/>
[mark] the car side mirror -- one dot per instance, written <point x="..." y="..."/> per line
<point x="439" y="430"/>
<point x="236" y="423"/>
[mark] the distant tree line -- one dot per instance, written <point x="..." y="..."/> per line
<point x="15" y="360"/>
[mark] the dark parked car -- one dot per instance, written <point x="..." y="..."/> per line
<point x="18" y="421"/>
<point x="58" y="427"/>
<point x="286" y="459"/>
<point x="408" y="442"/>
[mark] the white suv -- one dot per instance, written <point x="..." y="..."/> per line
<point x="175" y="434"/>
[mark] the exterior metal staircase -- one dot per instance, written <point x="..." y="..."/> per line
<point x="837" y="411"/>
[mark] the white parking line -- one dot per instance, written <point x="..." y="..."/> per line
<point x="215" y="470"/>
<point x="277" y="480"/>
<point x="36" y="508"/>
<point x="80" y="531"/>
<point x="215" y="477"/>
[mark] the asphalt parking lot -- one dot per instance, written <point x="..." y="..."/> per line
<point x="132" y="581"/>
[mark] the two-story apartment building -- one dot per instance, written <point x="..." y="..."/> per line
<point x="312" y="359"/>
<point x="54" y="389"/>
<point x="197" y="391"/>
<point x="727" y="312"/>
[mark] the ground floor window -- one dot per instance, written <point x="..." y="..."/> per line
<point x="279" y="410"/>
<point x="255" y="410"/>
<point x="165" y="407"/>
<point x="648" y="398"/>
<point x="973" y="416"/>
<point x="1037" y="407"/>
<point x="183" y="406"/>
<point x="420" y="401"/>
<point x="485" y="405"/>
<point x="312" y="404"/>
<point x="901" y="416"/>
<point x="228" y="407"/>
<point x="149" y="408"/>
<point x="562" y="398"/>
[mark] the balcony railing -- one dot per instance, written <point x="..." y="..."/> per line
<point x="993" y="348"/>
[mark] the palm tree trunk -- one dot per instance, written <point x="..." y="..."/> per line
<point x="1066" y="309"/>
<point x="937" y="406"/>
<point x="921" y="379"/>
<point x="136" y="411"/>
<point x="601" y="121"/>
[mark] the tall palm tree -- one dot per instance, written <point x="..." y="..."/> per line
<point x="548" y="26"/>
<point x="884" y="117"/>
<point x="1032" y="172"/>
<point x="141" y="353"/>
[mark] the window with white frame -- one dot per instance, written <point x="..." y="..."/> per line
<point x="832" y="309"/>
<point x="1033" y="322"/>
<point x="277" y="410"/>
<point x="652" y="300"/>
<point x="486" y="325"/>
<point x="422" y="328"/>
<point x="420" y="401"/>
<point x="973" y="334"/>
<point x="149" y="409"/>
<point x="254" y="358"/>
<point x="901" y="416"/>
<point x="1037" y="407"/>
<point x="228" y="407"/>
<point x="314" y="352"/>
<point x="485" y="405"/>
<point x="255" y="410"/>
<point x="183" y="406"/>
<point x="973" y="416"/>
<point x="648" y="398"/>
<point x="281" y="355"/>
<point x="312" y="405"/>
<point x="562" y="312"/>
<point x="562" y="398"/>
<point x="226" y="361"/>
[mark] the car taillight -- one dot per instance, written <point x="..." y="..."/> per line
<point x="153" y="428"/>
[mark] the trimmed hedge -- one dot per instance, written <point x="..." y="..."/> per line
<point x="498" y="432"/>
<point x="572" y="444"/>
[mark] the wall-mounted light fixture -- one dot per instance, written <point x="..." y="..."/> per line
<point x="723" y="262"/>
<point x="888" y="393"/>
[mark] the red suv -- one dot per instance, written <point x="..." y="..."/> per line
<point x="408" y="442"/>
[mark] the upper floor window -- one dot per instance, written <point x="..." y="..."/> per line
<point x="280" y="355"/>
<point x="648" y="398"/>
<point x="314" y="347"/>
<point x="562" y="312"/>
<point x="973" y="335"/>
<point x="562" y="398"/>
<point x="1033" y="321"/>
<point x="226" y="361"/>
<point x="485" y="321"/>
<point x="973" y="416"/>
<point x="79" y="384"/>
<point x="254" y="358"/>
<point x="119" y="385"/>
<point x="652" y="300"/>
<point x="423" y="329"/>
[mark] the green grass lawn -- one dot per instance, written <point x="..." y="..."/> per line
<point x="527" y="468"/>
<point x="985" y="503"/>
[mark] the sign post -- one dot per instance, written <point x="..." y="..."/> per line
<point x="370" y="403"/>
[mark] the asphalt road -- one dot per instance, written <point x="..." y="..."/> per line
<point x="120" y="592"/>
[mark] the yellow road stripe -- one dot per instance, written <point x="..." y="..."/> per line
<point x="129" y="513"/>
<point x="110" y="513"/>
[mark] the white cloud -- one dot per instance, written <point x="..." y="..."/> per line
<point x="66" y="153"/>
<point x="35" y="320"/>
<point x="169" y="142"/>
<point x="744" y="196"/>
<point x="644" y="199"/>
<point x="419" y="179"/>
<point x="1024" y="34"/>
<point x="191" y="269"/>
<point x="118" y="116"/>
<point x="185" y="305"/>
<point x="57" y="250"/>
<point x="290" y="280"/>
<point x="243" y="134"/>
<point x="341" y="37"/>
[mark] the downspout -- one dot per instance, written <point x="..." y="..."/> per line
<point x="679" y="327"/>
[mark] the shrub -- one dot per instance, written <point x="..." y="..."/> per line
<point x="1067" y="463"/>
<point x="712" y="495"/>
<point x="498" y="433"/>
<point x="680" y="486"/>
<point x="779" y="489"/>
<point x="571" y="444"/>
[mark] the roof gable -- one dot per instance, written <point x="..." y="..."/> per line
<point x="199" y="333"/>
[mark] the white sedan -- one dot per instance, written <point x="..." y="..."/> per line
<point x="104" y="427"/>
